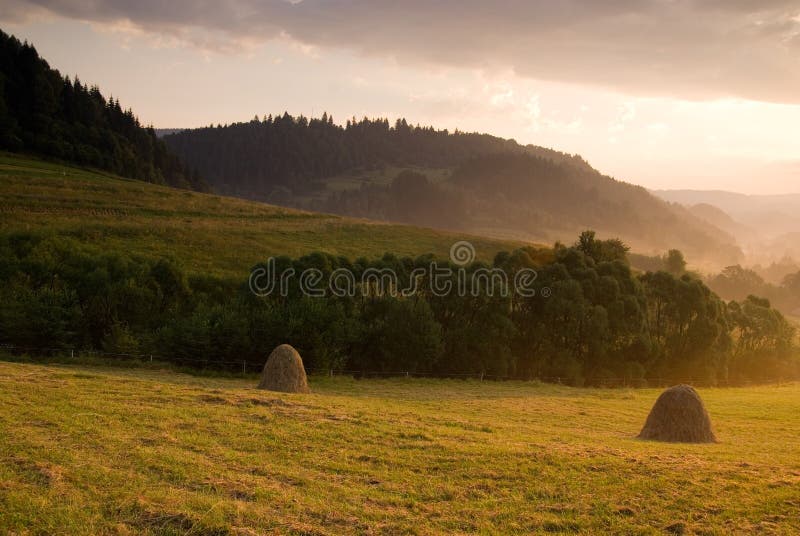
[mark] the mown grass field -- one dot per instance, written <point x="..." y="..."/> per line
<point x="208" y="234"/>
<point x="91" y="450"/>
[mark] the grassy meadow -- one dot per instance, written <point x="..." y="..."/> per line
<point x="99" y="450"/>
<point x="208" y="234"/>
<point x="93" y="449"/>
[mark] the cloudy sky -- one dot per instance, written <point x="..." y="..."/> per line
<point x="663" y="93"/>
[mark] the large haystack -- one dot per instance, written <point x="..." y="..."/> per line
<point x="284" y="371"/>
<point x="679" y="416"/>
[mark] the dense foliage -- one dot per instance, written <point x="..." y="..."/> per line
<point x="591" y="319"/>
<point x="280" y="158"/>
<point x="737" y="282"/>
<point x="43" y="113"/>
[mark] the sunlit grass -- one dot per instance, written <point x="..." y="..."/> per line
<point x="208" y="234"/>
<point x="92" y="450"/>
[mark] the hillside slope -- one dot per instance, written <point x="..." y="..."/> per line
<point x="769" y="224"/>
<point x="208" y="234"/>
<point x="458" y="181"/>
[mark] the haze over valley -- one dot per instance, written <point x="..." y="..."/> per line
<point x="369" y="267"/>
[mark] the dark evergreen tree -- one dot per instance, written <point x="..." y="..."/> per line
<point x="46" y="114"/>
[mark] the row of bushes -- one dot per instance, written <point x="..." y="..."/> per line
<point x="591" y="318"/>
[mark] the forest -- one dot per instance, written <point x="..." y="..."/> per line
<point x="448" y="180"/>
<point x="599" y="320"/>
<point x="270" y="157"/>
<point x="49" y="115"/>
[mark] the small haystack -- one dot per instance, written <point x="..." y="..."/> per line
<point x="284" y="371"/>
<point x="679" y="416"/>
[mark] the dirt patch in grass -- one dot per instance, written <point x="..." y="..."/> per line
<point x="213" y="399"/>
<point x="268" y="402"/>
<point x="168" y="524"/>
<point x="39" y="473"/>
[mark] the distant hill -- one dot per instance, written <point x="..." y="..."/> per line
<point x="767" y="226"/>
<point x="722" y="220"/>
<point x="771" y="215"/>
<point x="285" y="156"/>
<point x="460" y="181"/>
<point x="44" y="113"/>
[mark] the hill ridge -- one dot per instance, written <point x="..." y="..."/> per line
<point x="467" y="182"/>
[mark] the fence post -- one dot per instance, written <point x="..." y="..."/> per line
<point x="72" y="353"/>
<point x="151" y="358"/>
<point x="244" y="367"/>
<point x="406" y="374"/>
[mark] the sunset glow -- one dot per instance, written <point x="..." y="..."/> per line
<point x="709" y="101"/>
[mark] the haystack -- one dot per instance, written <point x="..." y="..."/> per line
<point x="679" y="416"/>
<point x="284" y="371"/>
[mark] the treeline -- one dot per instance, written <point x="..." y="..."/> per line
<point x="44" y="113"/>
<point x="282" y="157"/>
<point x="736" y="282"/>
<point x="591" y="317"/>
